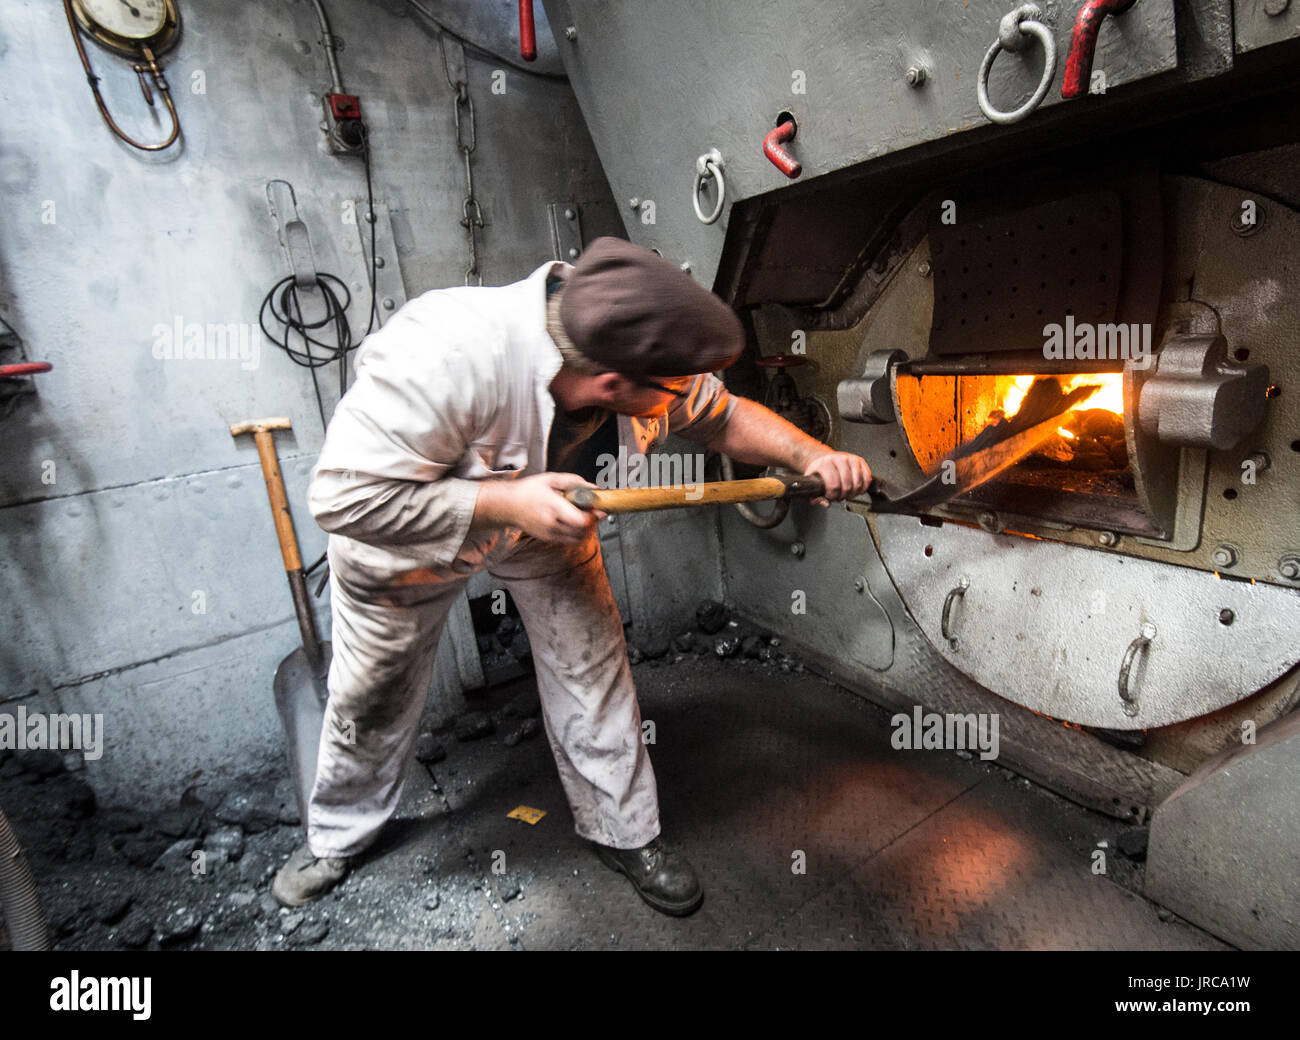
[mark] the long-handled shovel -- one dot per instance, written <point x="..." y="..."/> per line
<point x="996" y="449"/>
<point x="300" y="681"/>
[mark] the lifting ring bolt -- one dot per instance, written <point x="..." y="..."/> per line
<point x="709" y="166"/>
<point x="1014" y="33"/>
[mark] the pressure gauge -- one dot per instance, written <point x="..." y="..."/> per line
<point x="129" y="26"/>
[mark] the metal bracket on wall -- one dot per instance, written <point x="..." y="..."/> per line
<point x="295" y="241"/>
<point x="566" y="230"/>
<point x="390" y="291"/>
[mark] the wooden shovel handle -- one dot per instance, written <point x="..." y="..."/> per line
<point x="636" y="500"/>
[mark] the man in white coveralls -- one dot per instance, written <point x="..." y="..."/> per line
<point x="441" y="461"/>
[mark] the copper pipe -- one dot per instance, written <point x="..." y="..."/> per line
<point x="93" y="80"/>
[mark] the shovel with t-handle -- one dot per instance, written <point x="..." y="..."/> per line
<point x="300" y="681"/>
<point x="997" y="448"/>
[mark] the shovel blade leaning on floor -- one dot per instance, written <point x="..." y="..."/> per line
<point x="300" y="696"/>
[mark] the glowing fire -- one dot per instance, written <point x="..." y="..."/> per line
<point x="1109" y="397"/>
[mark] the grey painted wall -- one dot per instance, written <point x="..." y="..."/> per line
<point x="152" y="506"/>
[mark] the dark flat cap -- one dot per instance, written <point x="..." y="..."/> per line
<point x="633" y="312"/>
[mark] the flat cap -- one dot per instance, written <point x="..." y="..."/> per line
<point x="631" y="311"/>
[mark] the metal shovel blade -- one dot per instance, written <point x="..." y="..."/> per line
<point x="300" y="696"/>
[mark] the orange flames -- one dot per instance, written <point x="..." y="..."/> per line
<point x="1109" y="397"/>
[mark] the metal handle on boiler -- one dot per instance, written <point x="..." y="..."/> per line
<point x="1013" y="33"/>
<point x="1140" y="643"/>
<point x="955" y="593"/>
<point x="709" y="165"/>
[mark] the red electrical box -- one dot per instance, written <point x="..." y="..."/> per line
<point x="345" y="106"/>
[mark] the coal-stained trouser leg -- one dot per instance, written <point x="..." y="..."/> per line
<point x="384" y="644"/>
<point x="585" y="684"/>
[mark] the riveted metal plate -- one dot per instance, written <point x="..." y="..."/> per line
<point x="390" y="293"/>
<point x="566" y="230"/>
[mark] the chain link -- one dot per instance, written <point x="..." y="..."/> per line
<point x="471" y="212"/>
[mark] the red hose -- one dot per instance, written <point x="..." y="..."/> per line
<point x="527" y="33"/>
<point x="781" y="159"/>
<point x="1083" y="43"/>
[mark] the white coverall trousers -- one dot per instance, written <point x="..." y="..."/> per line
<point x="384" y="642"/>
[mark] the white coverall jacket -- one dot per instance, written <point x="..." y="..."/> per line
<point x="454" y="389"/>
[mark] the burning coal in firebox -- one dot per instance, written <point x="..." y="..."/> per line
<point x="1091" y="434"/>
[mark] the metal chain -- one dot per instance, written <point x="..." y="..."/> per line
<point x="471" y="212"/>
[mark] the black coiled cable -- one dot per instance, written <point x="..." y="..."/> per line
<point x="285" y="308"/>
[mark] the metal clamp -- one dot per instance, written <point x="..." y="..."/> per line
<point x="1140" y="643"/>
<point x="955" y="593"/>
<point x="1013" y="33"/>
<point x="709" y="165"/>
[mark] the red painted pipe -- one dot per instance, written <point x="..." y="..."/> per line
<point x="527" y="33"/>
<point x="25" y="368"/>
<point x="781" y="159"/>
<point x="1083" y="43"/>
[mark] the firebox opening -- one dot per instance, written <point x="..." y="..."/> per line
<point x="1083" y="475"/>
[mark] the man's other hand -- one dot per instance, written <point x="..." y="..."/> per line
<point x="536" y="505"/>
<point x="845" y="475"/>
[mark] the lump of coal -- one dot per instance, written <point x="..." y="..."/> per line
<point x="311" y="931"/>
<point x="112" y="906"/>
<point x="177" y="856"/>
<point x="527" y="728"/>
<point x="1133" y="844"/>
<point x="226" y="843"/>
<point x="710" y="616"/>
<point x="180" y="924"/>
<point x="653" y="649"/>
<point x="179" y="823"/>
<point x="255" y="811"/>
<point x="474" y="725"/>
<point x="135" y="933"/>
<point x="428" y="749"/>
<point x="727" y="646"/>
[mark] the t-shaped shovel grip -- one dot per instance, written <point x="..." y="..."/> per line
<point x="261" y="430"/>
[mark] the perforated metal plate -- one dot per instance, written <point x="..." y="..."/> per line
<point x="999" y="277"/>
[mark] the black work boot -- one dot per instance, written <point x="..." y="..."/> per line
<point x="662" y="877"/>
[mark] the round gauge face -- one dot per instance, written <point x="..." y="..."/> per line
<point x="132" y="19"/>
